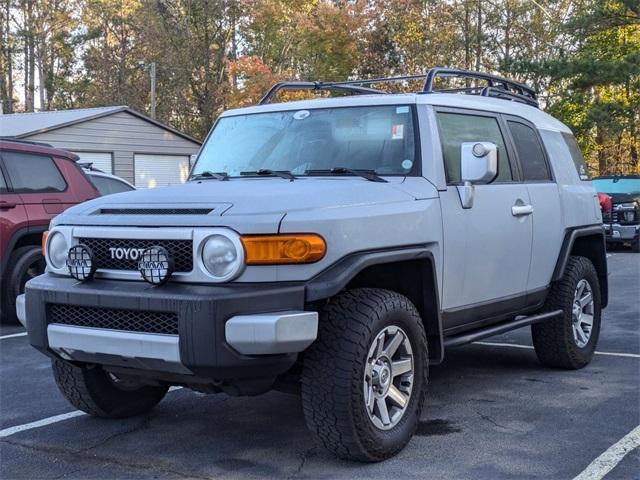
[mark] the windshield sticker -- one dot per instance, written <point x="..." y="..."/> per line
<point x="404" y="109"/>
<point x="397" y="132"/>
<point x="407" y="164"/>
<point x="301" y="114"/>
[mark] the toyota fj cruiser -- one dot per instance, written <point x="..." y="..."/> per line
<point x="338" y="246"/>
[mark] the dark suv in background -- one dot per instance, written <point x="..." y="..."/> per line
<point x="37" y="182"/>
<point x="621" y="211"/>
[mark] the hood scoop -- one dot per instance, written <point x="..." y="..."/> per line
<point x="155" y="211"/>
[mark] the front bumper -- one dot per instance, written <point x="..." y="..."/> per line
<point x="223" y="332"/>
<point x="614" y="232"/>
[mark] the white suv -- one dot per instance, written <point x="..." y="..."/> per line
<point x="336" y="247"/>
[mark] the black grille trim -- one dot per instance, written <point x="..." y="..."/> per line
<point x="156" y="211"/>
<point x="113" y="319"/>
<point x="181" y="251"/>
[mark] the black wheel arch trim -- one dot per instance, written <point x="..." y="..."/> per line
<point x="337" y="276"/>
<point x="15" y="238"/>
<point x="570" y="237"/>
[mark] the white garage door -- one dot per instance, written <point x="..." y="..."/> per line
<point x="100" y="160"/>
<point x="160" y="170"/>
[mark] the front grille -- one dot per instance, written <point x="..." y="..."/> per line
<point x="156" y="211"/>
<point x="114" y="319"/>
<point x="620" y="216"/>
<point x="180" y="250"/>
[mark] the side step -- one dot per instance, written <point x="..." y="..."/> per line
<point x="468" y="337"/>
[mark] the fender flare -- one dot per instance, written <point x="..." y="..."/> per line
<point x="337" y="276"/>
<point x="570" y="237"/>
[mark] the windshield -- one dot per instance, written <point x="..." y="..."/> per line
<point x="630" y="186"/>
<point x="379" y="138"/>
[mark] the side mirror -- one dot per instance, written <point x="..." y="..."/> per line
<point x="479" y="162"/>
<point x="478" y="165"/>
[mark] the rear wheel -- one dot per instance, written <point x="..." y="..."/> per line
<point x="364" y="379"/>
<point x="102" y="394"/>
<point x="24" y="264"/>
<point x="570" y="340"/>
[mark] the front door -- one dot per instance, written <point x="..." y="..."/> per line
<point x="487" y="248"/>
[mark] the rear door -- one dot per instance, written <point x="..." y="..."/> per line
<point x="487" y="248"/>
<point x="545" y="199"/>
<point x="13" y="216"/>
<point x="40" y="184"/>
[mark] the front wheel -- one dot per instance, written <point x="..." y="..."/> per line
<point x="101" y="394"/>
<point x="570" y="340"/>
<point x="364" y="379"/>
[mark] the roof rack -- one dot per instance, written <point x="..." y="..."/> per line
<point x="494" y="86"/>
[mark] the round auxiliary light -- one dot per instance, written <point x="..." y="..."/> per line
<point x="80" y="263"/>
<point x="155" y="265"/>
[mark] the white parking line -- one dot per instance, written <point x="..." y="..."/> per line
<point x="528" y="347"/>
<point x="49" y="420"/>
<point x="611" y="457"/>
<point x="40" y="423"/>
<point x="21" y="334"/>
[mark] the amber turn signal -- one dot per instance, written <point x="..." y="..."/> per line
<point x="283" y="249"/>
<point x="43" y="244"/>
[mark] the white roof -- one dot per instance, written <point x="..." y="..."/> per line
<point x="19" y="124"/>
<point x="536" y="116"/>
<point x="22" y="125"/>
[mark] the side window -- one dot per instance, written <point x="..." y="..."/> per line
<point x="3" y="184"/>
<point x="576" y="156"/>
<point x="530" y="152"/>
<point x="456" y="128"/>
<point x="30" y="173"/>
<point x="107" y="185"/>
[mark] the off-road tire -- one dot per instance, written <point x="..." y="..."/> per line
<point x="19" y="262"/>
<point x="93" y="392"/>
<point x="333" y="369"/>
<point x="553" y="339"/>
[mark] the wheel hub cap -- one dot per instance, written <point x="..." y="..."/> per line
<point x="582" y="313"/>
<point x="388" y="378"/>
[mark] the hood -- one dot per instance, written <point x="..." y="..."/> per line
<point x="204" y="202"/>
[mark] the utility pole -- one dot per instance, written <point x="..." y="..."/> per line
<point x="152" y="71"/>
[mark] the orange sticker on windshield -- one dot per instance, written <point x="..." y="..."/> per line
<point x="397" y="132"/>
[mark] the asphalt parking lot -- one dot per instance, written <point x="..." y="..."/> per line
<point x="492" y="412"/>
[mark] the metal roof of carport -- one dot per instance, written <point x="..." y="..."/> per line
<point x="20" y="125"/>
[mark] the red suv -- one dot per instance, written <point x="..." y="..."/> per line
<point x="36" y="183"/>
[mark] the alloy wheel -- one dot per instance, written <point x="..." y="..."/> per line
<point x="582" y="313"/>
<point x="388" y="377"/>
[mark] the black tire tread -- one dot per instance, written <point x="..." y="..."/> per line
<point x="328" y="371"/>
<point x="553" y="339"/>
<point x="8" y="301"/>
<point x="88" y="390"/>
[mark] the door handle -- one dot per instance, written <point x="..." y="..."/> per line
<point x="521" y="210"/>
<point x="7" y="205"/>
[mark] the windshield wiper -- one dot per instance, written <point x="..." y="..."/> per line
<point x="370" y="175"/>
<point x="208" y="174"/>
<point x="286" y="174"/>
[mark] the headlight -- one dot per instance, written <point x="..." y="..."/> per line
<point x="57" y="250"/>
<point x="222" y="257"/>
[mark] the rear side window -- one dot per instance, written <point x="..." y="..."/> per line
<point x="576" y="156"/>
<point x="3" y="184"/>
<point x="31" y="173"/>
<point x="456" y="128"/>
<point x="530" y="152"/>
<point x="106" y="185"/>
